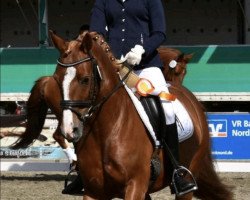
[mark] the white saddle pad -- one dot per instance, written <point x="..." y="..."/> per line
<point x="184" y="123"/>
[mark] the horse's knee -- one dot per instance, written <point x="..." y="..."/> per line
<point x="60" y="139"/>
<point x="57" y="135"/>
<point x="135" y="190"/>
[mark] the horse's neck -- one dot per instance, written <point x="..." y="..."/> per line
<point x="114" y="115"/>
<point x="106" y="48"/>
<point x="118" y="106"/>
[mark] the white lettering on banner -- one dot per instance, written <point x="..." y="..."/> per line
<point x="246" y="123"/>
<point x="238" y="133"/>
<point x="16" y="153"/>
<point x="236" y="123"/>
<point x="222" y="152"/>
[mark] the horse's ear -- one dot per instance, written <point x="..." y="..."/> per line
<point x="58" y="42"/>
<point x="87" y="43"/>
<point x="188" y="57"/>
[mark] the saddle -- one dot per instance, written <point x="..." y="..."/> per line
<point x="184" y="123"/>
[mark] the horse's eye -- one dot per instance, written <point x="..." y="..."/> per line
<point x="84" y="81"/>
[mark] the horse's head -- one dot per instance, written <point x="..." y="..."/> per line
<point x="175" y="64"/>
<point x="79" y="78"/>
<point x="74" y="75"/>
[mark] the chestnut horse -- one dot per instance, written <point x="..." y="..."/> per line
<point x="113" y="148"/>
<point x="46" y="94"/>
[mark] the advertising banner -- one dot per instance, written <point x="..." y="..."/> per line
<point x="230" y="135"/>
<point x="229" y="132"/>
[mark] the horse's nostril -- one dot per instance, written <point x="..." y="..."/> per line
<point x="75" y="129"/>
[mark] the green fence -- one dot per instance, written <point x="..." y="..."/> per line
<point x="218" y="69"/>
<point x="212" y="69"/>
<point x="21" y="67"/>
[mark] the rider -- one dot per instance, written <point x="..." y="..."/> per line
<point x="134" y="30"/>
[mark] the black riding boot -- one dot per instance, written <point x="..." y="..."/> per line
<point x="169" y="136"/>
<point x="180" y="185"/>
<point x="75" y="187"/>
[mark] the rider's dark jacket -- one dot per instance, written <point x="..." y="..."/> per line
<point x="125" y="24"/>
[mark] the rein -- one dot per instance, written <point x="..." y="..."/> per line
<point x="95" y="107"/>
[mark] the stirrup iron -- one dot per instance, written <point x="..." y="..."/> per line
<point x="68" y="175"/>
<point x="182" y="171"/>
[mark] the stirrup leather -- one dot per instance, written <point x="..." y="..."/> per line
<point x="182" y="171"/>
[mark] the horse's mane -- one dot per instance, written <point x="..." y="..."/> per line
<point x="100" y="40"/>
<point x="105" y="46"/>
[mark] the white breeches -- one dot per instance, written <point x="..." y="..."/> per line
<point x="155" y="76"/>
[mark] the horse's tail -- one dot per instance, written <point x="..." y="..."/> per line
<point x="36" y="114"/>
<point x="210" y="186"/>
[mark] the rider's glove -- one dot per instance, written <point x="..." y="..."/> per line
<point x="134" y="56"/>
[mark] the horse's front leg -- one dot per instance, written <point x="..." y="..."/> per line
<point x="65" y="146"/>
<point x="136" y="190"/>
<point x="86" y="197"/>
<point x="60" y="139"/>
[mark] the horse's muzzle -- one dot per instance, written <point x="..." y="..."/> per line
<point x="72" y="136"/>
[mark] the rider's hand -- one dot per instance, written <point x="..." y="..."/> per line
<point x="134" y="56"/>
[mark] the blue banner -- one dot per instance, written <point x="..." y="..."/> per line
<point x="229" y="132"/>
<point x="230" y="135"/>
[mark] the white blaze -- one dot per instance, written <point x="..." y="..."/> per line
<point x="67" y="114"/>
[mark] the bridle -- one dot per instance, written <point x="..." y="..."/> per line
<point x="72" y="104"/>
<point x="75" y="63"/>
<point x="91" y="104"/>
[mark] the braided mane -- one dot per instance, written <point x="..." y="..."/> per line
<point x="166" y="54"/>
